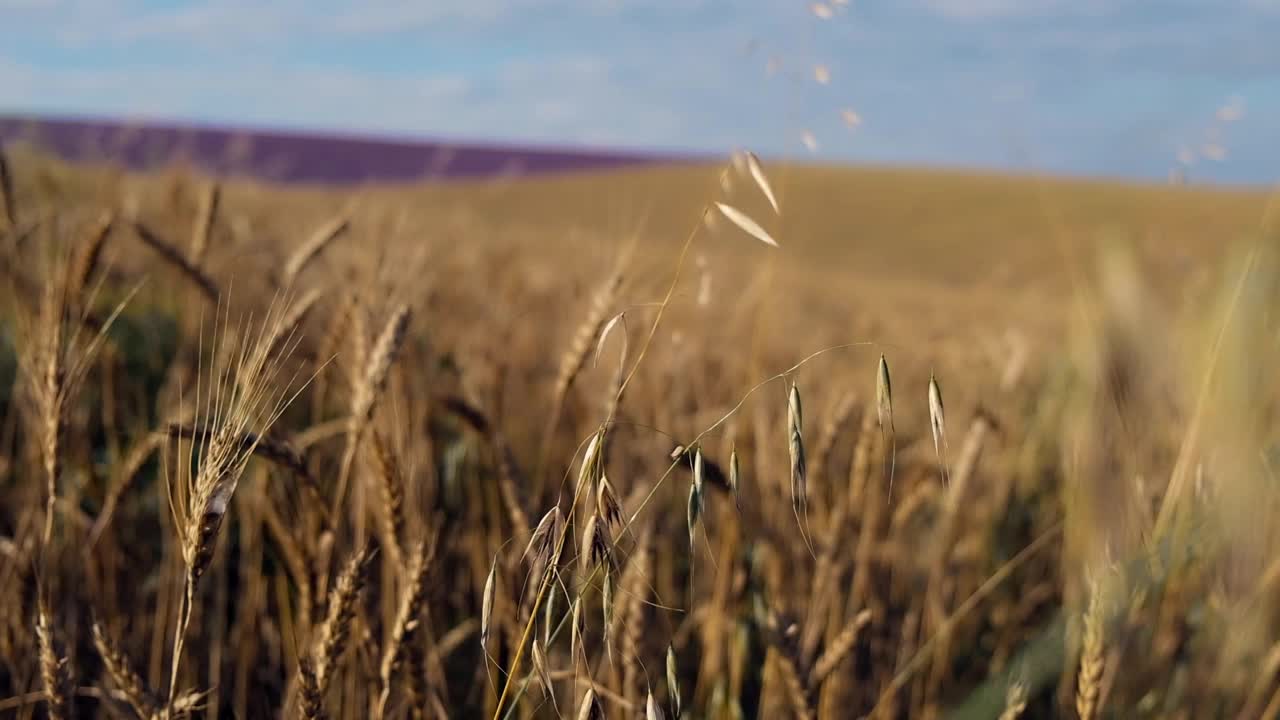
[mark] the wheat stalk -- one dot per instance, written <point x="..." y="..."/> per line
<point x="121" y="670"/>
<point x="412" y="596"/>
<point x="171" y="255"/>
<point x="309" y="250"/>
<point x="202" y="228"/>
<point x="240" y="402"/>
<point x="365" y="396"/>
<point x="55" y="671"/>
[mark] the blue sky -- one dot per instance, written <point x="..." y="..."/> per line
<point x="1099" y="87"/>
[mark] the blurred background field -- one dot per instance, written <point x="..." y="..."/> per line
<point x="526" y="359"/>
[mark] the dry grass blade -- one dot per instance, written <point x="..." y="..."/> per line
<point x="309" y="250"/>
<point x="746" y="224"/>
<point x="172" y="256"/>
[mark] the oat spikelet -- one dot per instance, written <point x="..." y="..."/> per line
<point x="735" y="477"/>
<point x="746" y="224"/>
<point x="590" y="708"/>
<point x="652" y="710"/>
<point x="761" y="180"/>
<point x="309" y="250"/>
<point x="607" y="505"/>
<point x="486" y="604"/>
<point x="606" y="607"/>
<point x="54" y="668"/>
<point x="202" y="228"/>
<point x="408" y="616"/>
<point x="884" y="416"/>
<point x="1091" y="657"/>
<point x="542" y="670"/>
<point x="343" y="601"/>
<point x="1015" y="702"/>
<point x="937" y="424"/>
<point x="543" y="539"/>
<point x="123" y="674"/>
<point x="795" y="447"/>
<point x="693" y="512"/>
<point x="577" y="629"/>
<point x="596" y="548"/>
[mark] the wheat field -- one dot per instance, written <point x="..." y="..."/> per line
<point x="958" y="446"/>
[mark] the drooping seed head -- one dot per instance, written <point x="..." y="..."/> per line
<point x="595" y="550"/>
<point x="577" y="627"/>
<point x="936" y="420"/>
<point x="884" y="395"/>
<point x="693" y="511"/>
<point x="540" y="667"/>
<point x="795" y="446"/>
<point x="762" y="181"/>
<point x="607" y="505"/>
<point x="699" y="470"/>
<point x="606" y="605"/>
<point x="590" y="709"/>
<point x="544" y="537"/>
<point x="590" y="460"/>
<point x="652" y="711"/>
